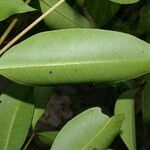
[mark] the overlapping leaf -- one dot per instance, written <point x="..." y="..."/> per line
<point x="63" y="17"/>
<point x="16" y="110"/>
<point x="125" y="1"/>
<point x="101" y="10"/>
<point x="145" y="17"/>
<point x="41" y="97"/>
<point x="146" y="103"/>
<point x="76" y="56"/>
<point x="89" y="130"/>
<point x="47" y="137"/>
<point x="11" y="7"/>
<point x="125" y="104"/>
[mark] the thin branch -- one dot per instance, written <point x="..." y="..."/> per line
<point x="29" y="141"/>
<point x="31" y="26"/>
<point x="10" y="27"/>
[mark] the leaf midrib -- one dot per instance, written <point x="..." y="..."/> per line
<point x="73" y="64"/>
<point x="48" y="5"/>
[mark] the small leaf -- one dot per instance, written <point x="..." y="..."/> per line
<point x="16" y="111"/>
<point x="76" y="56"/>
<point x="125" y="104"/>
<point x="125" y="1"/>
<point x="101" y="10"/>
<point x="63" y="17"/>
<point x="47" y="137"/>
<point x="11" y="7"/>
<point x="41" y="97"/>
<point x="90" y="129"/>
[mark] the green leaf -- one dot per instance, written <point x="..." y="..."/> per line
<point x="11" y="7"/>
<point x="125" y="104"/>
<point x="63" y="17"/>
<point x="16" y="111"/>
<point x="125" y="1"/>
<point x="90" y="129"/>
<point x="145" y="16"/>
<point x="41" y="97"/>
<point x="146" y="103"/>
<point x="47" y="137"/>
<point x="80" y="2"/>
<point x="76" y="56"/>
<point x="101" y="10"/>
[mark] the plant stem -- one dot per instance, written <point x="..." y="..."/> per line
<point x="8" y="30"/>
<point x="10" y="27"/>
<point x="30" y="26"/>
<point x="29" y="141"/>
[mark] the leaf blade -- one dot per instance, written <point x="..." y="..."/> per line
<point x="69" y="18"/>
<point x="41" y="97"/>
<point x="125" y="104"/>
<point x="83" y="131"/>
<point x="18" y="115"/>
<point x="11" y="7"/>
<point x="47" y="137"/>
<point x="105" y="56"/>
<point x="125" y="1"/>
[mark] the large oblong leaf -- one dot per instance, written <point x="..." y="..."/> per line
<point x="11" y="7"/>
<point x="63" y="17"/>
<point x="16" y="110"/>
<point x="89" y="130"/>
<point x="126" y="104"/>
<point x="76" y="56"/>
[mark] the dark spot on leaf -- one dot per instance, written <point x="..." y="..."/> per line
<point x="76" y="70"/>
<point x="50" y="72"/>
<point x="143" y="51"/>
<point x="0" y="101"/>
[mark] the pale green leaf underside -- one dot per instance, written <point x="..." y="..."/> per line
<point x="11" y="7"/>
<point x="15" y="117"/>
<point x="76" y="56"/>
<point x="126" y="104"/>
<point x="90" y="129"/>
<point x="125" y="1"/>
<point x="63" y="16"/>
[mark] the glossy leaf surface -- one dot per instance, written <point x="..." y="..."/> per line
<point x="63" y="17"/>
<point x="41" y="97"/>
<point x="76" y="56"/>
<point x="96" y="131"/>
<point x="101" y="10"/>
<point x="11" y="7"/>
<point x="47" y="137"/>
<point x="125" y="1"/>
<point x="16" y="111"/>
